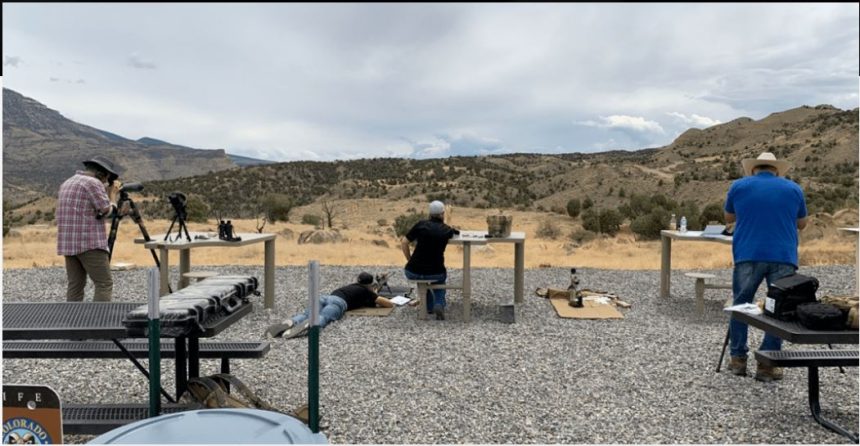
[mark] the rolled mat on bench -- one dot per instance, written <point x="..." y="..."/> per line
<point x="367" y="311"/>
<point x="590" y="310"/>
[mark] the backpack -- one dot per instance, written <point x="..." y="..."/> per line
<point x="211" y="392"/>
<point x="819" y="316"/>
<point x="785" y="294"/>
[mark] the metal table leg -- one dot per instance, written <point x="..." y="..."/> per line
<point x="815" y="407"/>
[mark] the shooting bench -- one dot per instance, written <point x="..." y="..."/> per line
<point x="811" y="359"/>
<point x="93" y="419"/>
<point x="701" y="286"/>
<point x="136" y="348"/>
<point x="423" y="286"/>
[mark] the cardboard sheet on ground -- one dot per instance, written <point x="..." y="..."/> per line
<point x="589" y="310"/>
<point x="367" y="311"/>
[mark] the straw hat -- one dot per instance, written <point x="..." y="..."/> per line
<point x="765" y="159"/>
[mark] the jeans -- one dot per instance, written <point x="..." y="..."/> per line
<point x="746" y="278"/>
<point x="332" y="308"/>
<point x="438" y="296"/>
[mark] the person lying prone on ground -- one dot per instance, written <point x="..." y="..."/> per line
<point x="333" y="306"/>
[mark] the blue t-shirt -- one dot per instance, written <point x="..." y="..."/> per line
<point x="767" y="208"/>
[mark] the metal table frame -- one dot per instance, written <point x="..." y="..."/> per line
<point x="798" y="334"/>
<point x="103" y="320"/>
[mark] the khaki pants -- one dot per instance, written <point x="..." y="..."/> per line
<point x="94" y="263"/>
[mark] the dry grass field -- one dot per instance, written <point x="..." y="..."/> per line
<point x="366" y="224"/>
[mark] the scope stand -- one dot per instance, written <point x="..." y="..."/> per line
<point x="137" y="218"/>
<point x="179" y="230"/>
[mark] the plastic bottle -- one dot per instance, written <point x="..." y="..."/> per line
<point x="673" y="223"/>
<point x="683" y="224"/>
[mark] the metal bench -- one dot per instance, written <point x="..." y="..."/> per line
<point x="812" y="360"/>
<point x="701" y="286"/>
<point x="136" y="348"/>
<point x="95" y="419"/>
<point x="423" y="286"/>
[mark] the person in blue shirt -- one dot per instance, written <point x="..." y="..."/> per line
<point x="768" y="210"/>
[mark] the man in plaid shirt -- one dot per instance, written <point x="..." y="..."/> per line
<point x="84" y="200"/>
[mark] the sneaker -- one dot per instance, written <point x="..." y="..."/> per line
<point x="275" y="331"/>
<point x="766" y="373"/>
<point x="439" y="311"/>
<point x="298" y="330"/>
<point x="738" y="365"/>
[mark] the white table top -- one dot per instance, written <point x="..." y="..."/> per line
<point x="157" y="241"/>
<point x="696" y="236"/>
<point x="480" y="238"/>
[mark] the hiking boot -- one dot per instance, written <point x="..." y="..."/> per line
<point x="738" y="365"/>
<point x="276" y="330"/>
<point x="766" y="373"/>
<point x="439" y="311"/>
<point x="298" y="330"/>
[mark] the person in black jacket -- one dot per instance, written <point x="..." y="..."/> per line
<point x="333" y="306"/>
<point x="427" y="262"/>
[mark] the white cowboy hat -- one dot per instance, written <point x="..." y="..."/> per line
<point x="766" y="159"/>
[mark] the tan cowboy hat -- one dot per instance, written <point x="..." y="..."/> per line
<point x="765" y="159"/>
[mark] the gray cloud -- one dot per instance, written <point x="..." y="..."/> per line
<point x="345" y="80"/>
<point x="11" y="61"/>
<point x="138" y="62"/>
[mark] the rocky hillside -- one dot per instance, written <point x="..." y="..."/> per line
<point x="41" y="148"/>
<point x="698" y="166"/>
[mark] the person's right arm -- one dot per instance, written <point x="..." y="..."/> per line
<point x="384" y="302"/>
<point x="103" y="198"/>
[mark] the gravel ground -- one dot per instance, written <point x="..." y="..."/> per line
<point x="648" y="378"/>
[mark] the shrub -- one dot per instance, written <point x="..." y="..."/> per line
<point x="587" y="203"/>
<point x="606" y="221"/>
<point x="311" y="219"/>
<point x="573" y="207"/>
<point x="582" y="236"/>
<point x="382" y="222"/>
<point x="548" y="229"/>
<point x="276" y="207"/>
<point x="648" y="226"/>
<point x="403" y="223"/>
<point x="197" y="211"/>
<point x="712" y="212"/>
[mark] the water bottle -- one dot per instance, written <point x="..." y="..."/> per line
<point x="683" y="224"/>
<point x="673" y="223"/>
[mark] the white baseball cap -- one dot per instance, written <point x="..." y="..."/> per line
<point x="437" y="208"/>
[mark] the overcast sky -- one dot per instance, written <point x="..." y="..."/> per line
<point x="341" y="81"/>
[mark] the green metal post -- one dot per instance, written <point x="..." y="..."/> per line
<point x="314" y="349"/>
<point x="154" y="344"/>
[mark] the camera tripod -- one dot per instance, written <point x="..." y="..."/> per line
<point x="179" y="230"/>
<point x="137" y="218"/>
<point x="177" y="200"/>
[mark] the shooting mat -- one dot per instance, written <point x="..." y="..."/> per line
<point x="367" y="311"/>
<point x="590" y="310"/>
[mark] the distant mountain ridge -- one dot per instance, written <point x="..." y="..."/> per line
<point x="821" y="142"/>
<point x="41" y="148"/>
